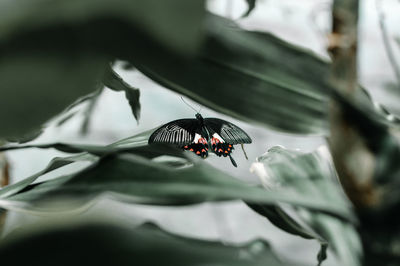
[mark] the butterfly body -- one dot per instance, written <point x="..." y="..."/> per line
<point x="201" y="136"/>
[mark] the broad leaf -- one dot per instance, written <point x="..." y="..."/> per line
<point x="130" y="143"/>
<point x="54" y="164"/>
<point x="309" y="175"/>
<point x="112" y="244"/>
<point x="38" y="83"/>
<point x="252" y="76"/>
<point x="55" y="51"/>
<point x="175" y="23"/>
<point x="132" y="178"/>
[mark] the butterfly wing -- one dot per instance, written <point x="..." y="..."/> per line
<point x="179" y="132"/>
<point x="229" y="132"/>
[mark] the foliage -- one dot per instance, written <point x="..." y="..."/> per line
<point x="57" y="53"/>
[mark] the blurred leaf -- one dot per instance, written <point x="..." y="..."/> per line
<point x="310" y="175"/>
<point x="69" y="111"/>
<point x="113" y="81"/>
<point x="374" y="108"/>
<point x="174" y="23"/>
<point x="380" y="134"/>
<point x="241" y="73"/>
<point x="36" y="85"/>
<point x="126" y="144"/>
<point x="278" y="217"/>
<point x="251" y="5"/>
<point x="87" y="114"/>
<point x="112" y="244"/>
<point x="55" y="51"/>
<point x="137" y="144"/>
<point x="132" y="178"/>
<point x="377" y="209"/>
<point x="53" y="165"/>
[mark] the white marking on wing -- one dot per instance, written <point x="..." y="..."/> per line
<point x="196" y="138"/>
<point x="215" y="135"/>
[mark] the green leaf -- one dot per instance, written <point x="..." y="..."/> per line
<point x="55" y="51"/>
<point x="309" y="175"/>
<point x="134" y="144"/>
<point x="112" y="244"/>
<point x="37" y="83"/>
<point x="113" y="81"/>
<point x="132" y="178"/>
<point x="251" y="76"/>
<point x="174" y="23"/>
<point x="54" y="164"/>
<point x="251" y="5"/>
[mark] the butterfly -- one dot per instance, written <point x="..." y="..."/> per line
<point x="201" y="135"/>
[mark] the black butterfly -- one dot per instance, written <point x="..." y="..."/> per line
<point x="200" y="134"/>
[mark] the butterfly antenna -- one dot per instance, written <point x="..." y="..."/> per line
<point x="188" y="105"/>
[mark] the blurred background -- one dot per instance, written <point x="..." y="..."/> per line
<point x="305" y="23"/>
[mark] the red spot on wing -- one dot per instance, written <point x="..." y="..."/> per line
<point x="202" y="141"/>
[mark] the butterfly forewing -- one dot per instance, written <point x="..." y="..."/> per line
<point x="178" y="132"/>
<point x="229" y="132"/>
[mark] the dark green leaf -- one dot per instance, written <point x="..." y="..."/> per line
<point x="67" y="114"/>
<point x="136" y="144"/>
<point x="53" y="165"/>
<point x="112" y="244"/>
<point x="251" y="5"/>
<point x="113" y="81"/>
<point x="37" y="83"/>
<point x="175" y="23"/>
<point x="310" y="174"/>
<point x="132" y="178"/>
<point x="252" y="76"/>
<point x="278" y="217"/>
<point x="53" y="53"/>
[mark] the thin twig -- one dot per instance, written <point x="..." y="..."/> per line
<point x="386" y="41"/>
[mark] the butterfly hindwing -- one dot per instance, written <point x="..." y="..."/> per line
<point x="221" y="148"/>
<point x="229" y="132"/>
<point x="199" y="147"/>
<point x="179" y="132"/>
